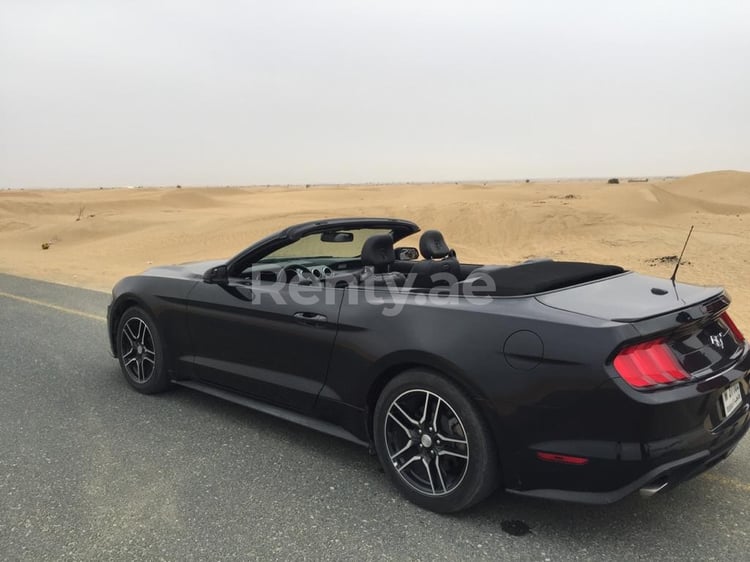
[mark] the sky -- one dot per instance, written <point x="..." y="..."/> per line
<point x="108" y="93"/>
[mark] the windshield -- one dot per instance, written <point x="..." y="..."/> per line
<point x="345" y="243"/>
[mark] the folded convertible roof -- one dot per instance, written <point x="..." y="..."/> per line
<point x="542" y="276"/>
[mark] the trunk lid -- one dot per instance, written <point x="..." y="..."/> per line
<point x="706" y="347"/>
<point x="690" y="320"/>
<point x="628" y="298"/>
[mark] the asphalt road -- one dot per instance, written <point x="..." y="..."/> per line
<point x="89" y="469"/>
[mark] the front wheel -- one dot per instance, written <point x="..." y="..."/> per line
<point x="433" y="443"/>
<point x="139" y="350"/>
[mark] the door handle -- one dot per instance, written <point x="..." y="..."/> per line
<point x="310" y="317"/>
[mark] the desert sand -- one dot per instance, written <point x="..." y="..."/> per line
<point x="123" y="231"/>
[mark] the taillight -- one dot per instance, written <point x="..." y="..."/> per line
<point x="648" y="364"/>
<point x="739" y="338"/>
<point x="562" y="459"/>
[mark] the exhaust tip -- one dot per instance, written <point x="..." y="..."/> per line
<point x="653" y="488"/>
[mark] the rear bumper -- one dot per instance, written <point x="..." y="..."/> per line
<point x="658" y="478"/>
<point x="652" y="444"/>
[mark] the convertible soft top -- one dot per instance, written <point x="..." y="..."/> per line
<point x="542" y="276"/>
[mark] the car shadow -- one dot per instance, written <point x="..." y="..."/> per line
<point x="690" y="504"/>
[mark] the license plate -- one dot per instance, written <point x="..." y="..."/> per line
<point x="731" y="398"/>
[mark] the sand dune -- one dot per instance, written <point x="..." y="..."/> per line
<point x="728" y="187"/>
<point x="123" y="231"/>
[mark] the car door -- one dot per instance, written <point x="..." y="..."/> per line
<point x="268" y="340"/>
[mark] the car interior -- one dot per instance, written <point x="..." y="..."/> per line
<point x="440" y="267"/>
<point x="378" y="266"/>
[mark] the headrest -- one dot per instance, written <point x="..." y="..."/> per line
<point x="378" y="250"/>
<point x="432" y="245"/>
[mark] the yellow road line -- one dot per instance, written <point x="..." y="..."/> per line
<point x="53" y="306"/>
<point x="726" y="481"/>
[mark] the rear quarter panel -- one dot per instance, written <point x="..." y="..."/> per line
<point x="468" y="343"/>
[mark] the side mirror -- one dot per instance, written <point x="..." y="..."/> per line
<point x="407" y="254"/>
<point x="217" y="275"/>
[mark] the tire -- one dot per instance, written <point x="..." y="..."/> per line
<point x="140" y="352"/>
<point x="445" y="468"/>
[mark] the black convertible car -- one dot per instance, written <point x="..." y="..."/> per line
<point x="563" y="380"/>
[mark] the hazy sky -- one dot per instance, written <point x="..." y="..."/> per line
<point x="187" y="92"/>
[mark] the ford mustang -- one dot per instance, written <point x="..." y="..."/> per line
<point x="561" y="380"/>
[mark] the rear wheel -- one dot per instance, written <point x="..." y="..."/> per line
<point x="139" y="350"/>
<point x="433" y="443"/>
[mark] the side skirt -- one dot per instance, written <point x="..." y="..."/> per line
<point x="294" y="417"/>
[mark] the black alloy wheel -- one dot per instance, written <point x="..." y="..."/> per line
<point x="433" y="443"/>
<point x="139" y="351"/>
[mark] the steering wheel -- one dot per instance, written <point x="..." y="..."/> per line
<point x="299" y="274"/>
